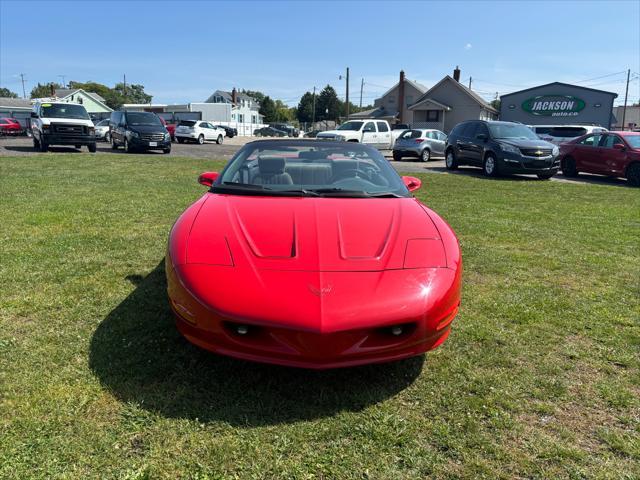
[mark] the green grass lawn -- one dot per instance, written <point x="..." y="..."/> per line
<point x="540" y="377"/>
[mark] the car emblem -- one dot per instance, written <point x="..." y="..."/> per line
<point x="320" y="292"/>
<point x="539" y="152"/>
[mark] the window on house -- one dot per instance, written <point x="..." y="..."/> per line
<point x="433" y="115"/>
<point x="254" y="119"/>
<point x="240" y="118"/>
<point x="233" y="116"/>
<point x="409" y="100"/>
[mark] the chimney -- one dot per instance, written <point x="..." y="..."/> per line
<point x="401" y="97"/>
<point x="456" y="74"/>
<point x="234" y="96"/>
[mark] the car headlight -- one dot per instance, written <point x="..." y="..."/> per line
<point x="133" y="134"/>
<point x="340" y="138"/>
<point x="555" y="151"/>
<point x="167" y="136"/>
<point x="509" y="148"/>
<point x="92" y="130"/>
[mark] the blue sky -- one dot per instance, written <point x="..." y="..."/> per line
<point x="182" y="51"/>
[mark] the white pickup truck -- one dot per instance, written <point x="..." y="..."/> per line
<point x="376" y="133"/>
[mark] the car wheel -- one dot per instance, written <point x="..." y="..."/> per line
<point x="180" y="140"/>
<point x="127" y="146"/>
<point x="633" y="174"/>
<point x="166" y="150"/>
<point x="219" y="140"/>
<point x="545" y="176"/>
<point x="92" y="147"/>
<point x="450" y="160"/>
<point x="114" y="145"/>
<point x="397" y="156"/>
<point x="569" y="168"/>
<point x="36" y="144"/>
<point x="107" y="137"/>
<point x="490" y="166"/>
<point x="78" y="146"/>
<point x="425" y="156"/>
<point x="43" y="146"/>
<point x="201" y="139"/>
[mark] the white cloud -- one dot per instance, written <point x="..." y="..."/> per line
<point x="468" y="46"/>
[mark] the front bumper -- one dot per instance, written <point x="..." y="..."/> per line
<point x="140" y="144"/>
<point x="516" y="163"/>
<point x="57" y="139"/>
<point x="275" y="342"/>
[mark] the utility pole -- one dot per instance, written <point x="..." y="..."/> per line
<point x="470" y="83"/>
<point x="124" y="86"/>
<point x="347" y="93"/>
<point x="24" y="93"/>
<point x="313" y="114"/>
<point x="64" y="85"/>
<point x="626" y="94"/>
<point x="361" y="87"/>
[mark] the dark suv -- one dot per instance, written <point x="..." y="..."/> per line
<point x="138" y="131"/>
<point x="501" y="147"/>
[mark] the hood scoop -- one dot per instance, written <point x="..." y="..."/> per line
<point x="273" y="236"/>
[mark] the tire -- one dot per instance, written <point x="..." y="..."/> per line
<point x="78" y="146"/>
<point x="568" y="166"/>
<point x="92" y="147"/>
<point x="425" y="156"/>
<point x="219" y="140"/>
<point x="36" y="144"/>
<point x="450" y="160"/>
<point x="633" y="174"/>
<point x="166" y="150"/>
<point x="490" y="166"/>
<point x="545" y="176"/>
<point x="114" y="145"/>
<point x="397" y="156"/>
<point x="127" y="147"/>
<point x="201" y="139"/>
<point x="43" y="146"/>
<point x="180" y="140"/>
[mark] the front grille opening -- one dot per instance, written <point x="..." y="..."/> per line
<point x="243" y="330"/>
<point x="397" y="331"/>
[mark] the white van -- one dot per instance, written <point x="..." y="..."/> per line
<point x="61" y="123"/>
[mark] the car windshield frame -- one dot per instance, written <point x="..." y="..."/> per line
<point x="499" y="131"/>
<point x="351" y="126"/>
<point x="58" y="110"/>
<point x="351" y="171"/>
<point x="131" y="119"/>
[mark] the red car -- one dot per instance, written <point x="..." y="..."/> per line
<point x="616" y="154"/>
<point x="171" y="128"/>
<point x="314" y="254"/>
<point x="10" y="126"/>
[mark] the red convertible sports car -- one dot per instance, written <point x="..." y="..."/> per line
<point x="315" y="254"/>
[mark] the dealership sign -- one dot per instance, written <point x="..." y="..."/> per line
<point x="553" y="105"/>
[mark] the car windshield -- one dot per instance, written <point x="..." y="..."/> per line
<point x="186" y="123"/>
<point x="511" y="131"/>
<point x="142" y="118"/>
<point x="67" y="110"/>
<point x="312" y="168"/>
<point x="633" y="140"/>
<point x="350" y="126"/>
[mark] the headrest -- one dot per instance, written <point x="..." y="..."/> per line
<point x="271" y="165"/>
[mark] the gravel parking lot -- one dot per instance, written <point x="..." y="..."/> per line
<point x="11" y="146"/>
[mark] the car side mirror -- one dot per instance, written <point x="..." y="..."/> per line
<point x="34" y="115"/>
<point x="412" y="183"/>
<point x="619" y="146"/>
<point x="207" y="178"/>
<point x="482" y="136"/>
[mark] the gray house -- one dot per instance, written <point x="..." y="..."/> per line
<point x="558" y="104"/>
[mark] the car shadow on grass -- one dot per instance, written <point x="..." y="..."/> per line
<point x="137" y="353"/>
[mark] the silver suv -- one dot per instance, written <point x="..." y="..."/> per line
<point x="421" y="143"/>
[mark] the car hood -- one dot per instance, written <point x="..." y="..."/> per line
<point x="333" y="133"/>
<point x="527" y="143"/>
<point x="74" y="121"/>
<point x="314" y="234"/>
<point x="147" y="128"/>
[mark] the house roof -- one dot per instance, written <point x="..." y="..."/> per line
<point x="63" y="93"/>
<point x="228" y="96"/>
<point x="559" y="83"/>
<point x="473" y="95"/>
<point x="378" y="112"/>
<point x="430" y="100"/>
<point x="15" y="102"/>
<point x="418" y="86"/>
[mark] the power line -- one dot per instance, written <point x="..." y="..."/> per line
<point x="598" y="78"/>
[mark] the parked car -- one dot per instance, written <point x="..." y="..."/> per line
<point x="563" y="133"/>
<point x="171" y="128"/>
<point x="285" y="127"/>
<point x="102" y="130"/>
<point x="501" y="147"/>
<point x="229" y="131"/>
<point x="138" y="131"/>
<point x="376" y="133"/>
<point x="615" y="154"/>
<point x="421" y="143"/>
<point x="198" y="131"/>
<point x="60" y="123"/>
<point x="343" y="287"/>
<point x="10" y="126"/>
<point x="269" y="132"/>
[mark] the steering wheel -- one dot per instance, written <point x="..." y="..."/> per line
<point x="348" y="174"/>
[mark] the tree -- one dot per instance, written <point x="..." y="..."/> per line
<point x="268" y="110"/>
<point x="305" y="108"/>
<point x="327" y="104"/>
<point x="134" y="93"/>
<point x="255" y="94"/>
<point x="5" y="92"/>
<point x="44" y="90"/>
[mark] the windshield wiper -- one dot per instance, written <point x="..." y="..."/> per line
<point x="341" y="192"/>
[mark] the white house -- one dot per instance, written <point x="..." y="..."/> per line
<point x="93" y="102"/>
<point x="244" y="109"/>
